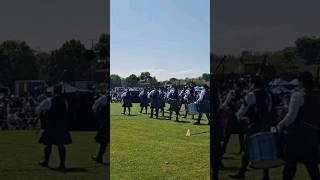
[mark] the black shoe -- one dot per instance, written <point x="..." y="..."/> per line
<point x="43" y="164"/>
<point x="151" y="116"/>
<point x="98" y="160"/>
<point x="62" y="167"/>
<point x="237" y="176"/>
<point x="184" y="117"/>
<point x="196" y="123"/>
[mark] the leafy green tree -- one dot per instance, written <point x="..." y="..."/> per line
<point x="115" y="81"/>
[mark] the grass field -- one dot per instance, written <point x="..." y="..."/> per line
<point x="144" y="148"/>
<point x="20" y="154"/>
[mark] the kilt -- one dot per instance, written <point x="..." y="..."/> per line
<point x="127" y="103"/>
<point x="301" y="145"/>
<point x="144" y="103"/>
<point x="49" y="137"/>
<point x="162" y="103"/>
<point x="155" y="103"/>
<point x="102" y="136"/>
<point x="174" y="105"/>
<point x="204" y="107"/>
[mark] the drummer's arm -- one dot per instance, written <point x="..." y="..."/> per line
<point x="200" y="98"/>
<point x="250" y="99"/>
<point x="226" y="102"/>
<point x="296" y="102"/>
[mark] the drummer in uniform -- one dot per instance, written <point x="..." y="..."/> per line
<point x="101" y="108"/>
<point x="154" y="97"/>
<point x="301" y="126"/>
<point x="173" y="98"/>
<point x="229" y="107"/>
<point x="127" y="101"/>
<point x="190" y="97"/>
<point x="55" y="126"/>
<point x="203" y="103"/>
<point x="256" y="109"/>
<point x="144" y="100"/>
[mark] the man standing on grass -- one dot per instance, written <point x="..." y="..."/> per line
<point x="144" y="100"/>
<point x="154" y="97"/>
<point x="173" y="98"/>
<point x="101" y="108"/>
<point x="54" y="110"/>
<point x="127" y="101"/>
<point x="203" y="104"/>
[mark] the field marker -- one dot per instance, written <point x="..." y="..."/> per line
<point x="188" y="133"/>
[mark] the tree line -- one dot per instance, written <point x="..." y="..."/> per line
<point x="305" y="52"/>
<point x="145" y="78"/>
<point x="72" y="61"/>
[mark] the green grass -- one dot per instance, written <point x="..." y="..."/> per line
<point x="144" y="148"/>
<point x="20" y="153"/>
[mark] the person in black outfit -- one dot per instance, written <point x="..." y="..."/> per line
<point x="102" y="108"/>
<point x="154" y="96"/>
<point x="255" y="108"/>
<point x="173" y="98"/>
<point x="301" y="128"/>
<point x="55" y="126"/>
<point x="162" y="101"/>
<point x="127" y="102"/>
<point x="203" y="104"/>
<point x="190" y="97"/>
<point x="144" y="101"/>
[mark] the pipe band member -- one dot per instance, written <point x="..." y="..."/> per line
<point x="301" y="128"/>
<point x="173" y="98"/>
<point x="127" y="101"/>
<point x="190" y="97"/>
<point x="144" y="100"/>
<point x="155" y="104"/>
<point x="255" y="108"/>
<point x="101" y="108"/>
<point x="55" y="126"/>
<point x="203" y="103"/>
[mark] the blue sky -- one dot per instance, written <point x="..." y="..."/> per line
<point x="168" y="38"/>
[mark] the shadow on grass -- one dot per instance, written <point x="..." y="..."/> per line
<point x="193" y="134"/>
<point x="183" y="121"/>
<point x="70" y="170"/>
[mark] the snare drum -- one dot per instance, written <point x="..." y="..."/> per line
<point x="192" y="108"/>
<point x="263" y="151"/>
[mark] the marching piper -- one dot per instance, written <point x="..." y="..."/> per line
<point x="127" y="101"/>
<point x="144" y="100"/>
<point x="55" y="125"/>
<point x="173" y="98"/>
<point x="101" y="108"/>
<point x="154" y="97"/>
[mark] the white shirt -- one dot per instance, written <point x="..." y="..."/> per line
<point x="45" y="105"/>
<point x="296" y="101"/>
<point x="250" y="100"/>
<point x="99" y="103"/>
